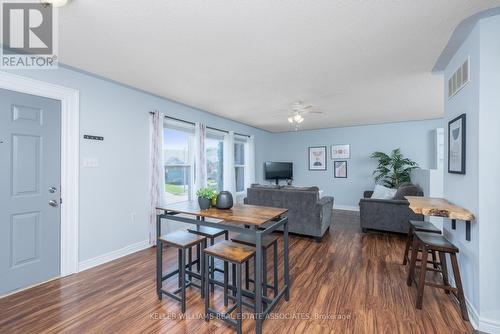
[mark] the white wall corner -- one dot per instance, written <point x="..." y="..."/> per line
<point x="113" y="255"/>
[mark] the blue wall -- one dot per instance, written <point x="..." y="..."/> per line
<point x="463" y="189"/>
<point x="489" y="177"/>
<point x="478" y="190"/>
<point x="414" y="138"/>
<point x="114" y="197"/>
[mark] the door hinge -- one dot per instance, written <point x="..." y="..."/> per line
<point x="60" y="200"/>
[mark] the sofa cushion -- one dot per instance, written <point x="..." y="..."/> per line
<point x="301" y="188"/>
<point x="382" y="192"/>
<point x="408" y="190"/>
<point x="264" y="186"/>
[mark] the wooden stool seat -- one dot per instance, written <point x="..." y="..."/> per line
<point x="436" y="242"/>
<point x="423" y="226"/>
<point x="231" y="251"/>
<point x="249" y="240"/>
<point x="181" y="239"/>
<point x="419" y="226"/>
<point x="236" y="254"/>
<point x="432" y="242"/>
<point x="267" y="241"/>
<point x="209" y="232"/>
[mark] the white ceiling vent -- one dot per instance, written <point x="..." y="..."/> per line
<point x="459" y="79"/>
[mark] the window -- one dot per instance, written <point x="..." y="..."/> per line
<point x="214" y="152"/>
<point x="178" y="155"/>
<point x="239" y="165"/>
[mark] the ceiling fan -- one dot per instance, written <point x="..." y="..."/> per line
<point x="297" y="110"/>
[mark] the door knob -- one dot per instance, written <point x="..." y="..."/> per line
<point x="52" y="190"/>
<point x="53" y="203"/>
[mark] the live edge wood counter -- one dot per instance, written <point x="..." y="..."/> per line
<point x="261" y="220"/>
<point x="440" y="207"/>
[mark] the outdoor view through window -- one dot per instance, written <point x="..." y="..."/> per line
<point x="214" y="148"/>
<point x="178" y="155"/>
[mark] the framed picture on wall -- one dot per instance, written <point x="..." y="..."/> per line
<point x="317" y="158"/>
<point x="340" y="169"/>
<point x="341" y="151"/>
<point x="456" y="145"/>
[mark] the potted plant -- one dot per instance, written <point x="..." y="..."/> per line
<point x="393" y="169"/>
<point x="205" y="196"/>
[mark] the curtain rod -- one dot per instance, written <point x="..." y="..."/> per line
<point x="208" y="127"/>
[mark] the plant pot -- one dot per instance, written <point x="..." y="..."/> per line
<point x="224" y="200"/>
<point x="204" y="203"/>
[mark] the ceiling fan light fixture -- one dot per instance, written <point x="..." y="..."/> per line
<point x="290" y="119"/>
<point x="297" y="118"/>
<point x="300" y="120"/>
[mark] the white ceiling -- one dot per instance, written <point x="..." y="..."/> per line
<point x="361" y="61"/>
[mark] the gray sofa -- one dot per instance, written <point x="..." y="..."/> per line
<point x="307" y="213"/>
<point x="389" y="214"/>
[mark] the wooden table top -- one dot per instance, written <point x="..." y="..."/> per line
<point x="438" y="207"/>
<point x="239" y="213"/>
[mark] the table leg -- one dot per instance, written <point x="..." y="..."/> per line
<point x="258" y="282"/>
<point x="198" y="251"/>
<point x="158" y="226"/>
<point x="159" y="267"/>
<point x="285" y="260"/>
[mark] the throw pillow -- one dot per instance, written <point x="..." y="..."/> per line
<point x="382" y="192"/>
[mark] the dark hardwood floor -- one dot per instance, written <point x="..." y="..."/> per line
<point x="349" y="283"/>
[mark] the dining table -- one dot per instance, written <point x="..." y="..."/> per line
<point x="257" y="221"/>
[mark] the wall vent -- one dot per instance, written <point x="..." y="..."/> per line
<point x="459" y="79"/>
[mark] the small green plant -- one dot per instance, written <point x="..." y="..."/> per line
<point x="393" y="169"/>
<point x="207" y="193"/>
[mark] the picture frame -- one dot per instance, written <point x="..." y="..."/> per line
<point x="317" y="158"/>
<point x="341" y="151"/>
<point x="456" y="145"/>
<point x="340" y="169"/>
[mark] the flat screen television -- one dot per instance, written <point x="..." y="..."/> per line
<point x="278" y="170"/>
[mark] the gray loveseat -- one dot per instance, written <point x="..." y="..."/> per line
<point x="307" y="213"/>
<point x="389" y="214"/>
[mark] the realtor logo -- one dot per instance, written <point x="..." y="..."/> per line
<point x="28" y="35"/>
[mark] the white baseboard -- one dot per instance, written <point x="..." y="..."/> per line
<point x="479" y="323"/>
<point x="473" y="315"/>
<point x="113" y="255"/>
<point x="345" y="207"/>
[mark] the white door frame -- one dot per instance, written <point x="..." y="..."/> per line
<point x="70" y="158"/>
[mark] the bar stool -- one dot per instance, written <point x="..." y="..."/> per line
<point x="267" y="242"/>
<point x="181" y="240"/>
<point x="236" y="254"/>
<point x="419" y="226"/>
<point x="434" y="242"/>
<point x="210" y="233"/>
